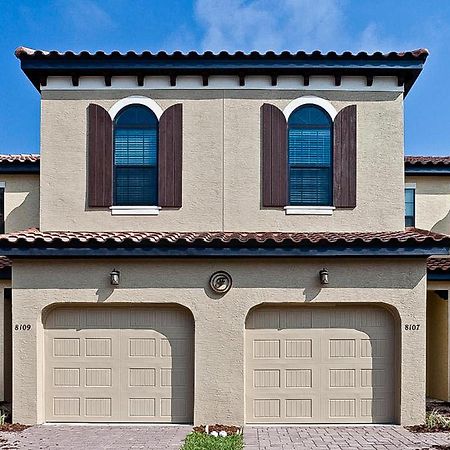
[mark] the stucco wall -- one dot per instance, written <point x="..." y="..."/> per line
<point x="21" y="201"/>
<point x="437" y="347"/>
<point x="222" y="163"/>
<point x="432" y="202"/>
<point x="5" y="341"/>
<point x="219" y="321"/>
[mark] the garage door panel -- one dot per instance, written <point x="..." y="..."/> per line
<point x="320" y="374"/>
<point x="106" y="370"/>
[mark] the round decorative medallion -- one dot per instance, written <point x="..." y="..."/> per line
<point x="220" y="282"/>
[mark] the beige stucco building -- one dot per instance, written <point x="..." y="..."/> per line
<point x="211" y="243"/>
<point x="428" y="205"/>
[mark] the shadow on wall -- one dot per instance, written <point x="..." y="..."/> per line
<point x="25" y="215"/>
<point x="443" y="225"/>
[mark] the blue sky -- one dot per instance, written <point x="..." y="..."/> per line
<point x="230" y="25"/>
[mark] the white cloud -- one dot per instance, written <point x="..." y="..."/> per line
<point x="86" y="15"/>
<point x="182" y="39"/>
<point x="283" y="25"/>
<point x="268" y="24"/>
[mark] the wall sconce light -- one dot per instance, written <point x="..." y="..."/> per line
<point x="114" y="277"/>
<point x="323" y="275"/>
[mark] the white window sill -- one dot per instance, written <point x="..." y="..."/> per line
<point x="309" y="210"/>
<point x="134" y="210"/>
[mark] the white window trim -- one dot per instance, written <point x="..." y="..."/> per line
<point x="410" y="185"/>
<point x="309" y="210"/>
<point x="310" y="100"/>
<point x="135" y="100"/>
<point x="135" y="210"/>
<point x="2" y="185"/>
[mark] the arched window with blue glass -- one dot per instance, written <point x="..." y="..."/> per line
<point x="310" y="157"/>
<point x="136" y="157"/>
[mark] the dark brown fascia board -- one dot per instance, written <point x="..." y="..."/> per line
<point x="20" y="167"/>
<point x="428" y="169"/>
<point x="39" y="65"/>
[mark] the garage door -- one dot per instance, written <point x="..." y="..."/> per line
<point x="320" y="365"/>
<point x="119" y="364"/>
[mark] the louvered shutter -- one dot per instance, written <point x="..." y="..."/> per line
<point x="170" y="157"/>
<point x="274" y="157"/>
<point x="344" y="158"/>
<point x="100" y="157"/>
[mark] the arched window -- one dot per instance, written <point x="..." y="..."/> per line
<point x="135" y="156"/>
<point x="310" y="156"/>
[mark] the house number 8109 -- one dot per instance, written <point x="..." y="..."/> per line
<point x="22" y="327"/>
<point x="412" y="327"/>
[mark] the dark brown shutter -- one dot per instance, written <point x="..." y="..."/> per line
<point x="170" y="157"/>
<point x="100" y="157"/>
<point x="274" y="157"/>
<point x="344" y="158"/>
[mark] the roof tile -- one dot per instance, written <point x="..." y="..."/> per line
<point x="427" y="160"/>
<point x="34" y="236"/>
<point x="22" y="157"/>
<point x="25" y="52"/>
<point x="4" y="262"/>
<point x="441" y="264"/>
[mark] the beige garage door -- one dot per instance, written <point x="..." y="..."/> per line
<point x="119" y="364"/>
<point x="320" y="365"/>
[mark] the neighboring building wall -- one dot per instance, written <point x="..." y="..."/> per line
<point x="437" y="346"/>
<point x="5" y="342"/>
<point x="222" y="163"/>
<point x="219" y="320"/>
<point x="432" y="202"/>
<point x="21" y="201"/>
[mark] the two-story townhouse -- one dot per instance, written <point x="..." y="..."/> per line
<point x="427" y="206"/>
<point x="221" y="238"/>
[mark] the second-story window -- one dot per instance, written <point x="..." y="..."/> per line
<point x="135" y="157"/>
<point x="310" y="157"/>
<point x="410" y="206"/>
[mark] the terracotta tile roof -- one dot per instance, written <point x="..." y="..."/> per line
<point x="421" y="53"/>
<point x="34" y="236"/>
<point x="438" y="264"/>
<point x="22" y="157"/>
<point x="4" y="262"/>
<point x="427" y="160"/>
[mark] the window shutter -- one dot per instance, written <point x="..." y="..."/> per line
<point x="344" y="158"/>
<point x="274" y="157"/>
<point x="170" y="156"/>
<point x="100" y="157"/>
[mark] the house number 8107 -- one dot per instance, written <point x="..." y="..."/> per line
<point x="22" y="327"/>
<point x="412" y="327"/>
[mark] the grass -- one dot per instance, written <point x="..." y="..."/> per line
<point x="4" y="414"/>
<point x="435" y="419"/>
<point x="201" y="441"/>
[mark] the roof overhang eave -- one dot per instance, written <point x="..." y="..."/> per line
<point x="192" y="251"/>
<point x="38" y="69"/>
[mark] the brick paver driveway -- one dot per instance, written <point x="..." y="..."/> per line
<point x="341" y="438"/>
<point x="256" y="438"/>
<point x="64" y="437"/>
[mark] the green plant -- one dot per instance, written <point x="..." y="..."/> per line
<point x="435" y="419"/>
<point x="201" y="441"/>
<point x="4" y="414"/>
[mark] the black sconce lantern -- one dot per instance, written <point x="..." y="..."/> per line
<point x="324" y="276"/>
<point x="114" y="277"/>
